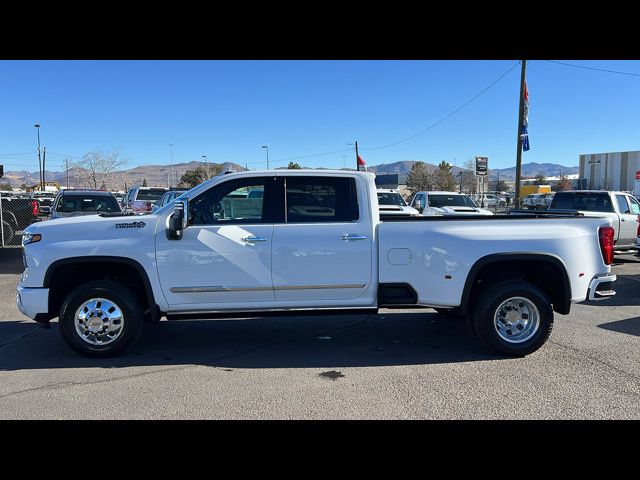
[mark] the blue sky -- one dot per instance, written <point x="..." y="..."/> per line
<point x="228" y="109"/>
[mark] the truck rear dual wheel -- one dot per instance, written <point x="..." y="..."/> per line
<point x="101" y="319"/>
<point x="513" y="317"/>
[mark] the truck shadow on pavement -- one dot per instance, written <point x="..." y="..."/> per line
<point x="627" y="289"/>
<point x="386" y="339"/>
<point x="630" y="326"/>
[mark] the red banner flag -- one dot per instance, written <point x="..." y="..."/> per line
<point x="361" y="163"/>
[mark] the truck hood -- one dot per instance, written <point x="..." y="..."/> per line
<point x="460" y="211"/>
<point x="397" y="210"/>
<point x="93" y="227"/>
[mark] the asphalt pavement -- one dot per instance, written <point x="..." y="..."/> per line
<point x="398" y="364"/>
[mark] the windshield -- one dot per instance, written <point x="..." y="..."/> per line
<point x="87" y="203"/>
<point x="389" y="198"/>
<point x="152" y="194"/>
<point x="440" y="201"/>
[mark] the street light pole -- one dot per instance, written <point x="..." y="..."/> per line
<point x="37" y="125"/>
<point x="267" y="147"/>
<point x="206" y="165"/>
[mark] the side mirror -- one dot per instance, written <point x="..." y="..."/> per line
<point x="419" y="206"/>
<point x="178" y="221"/>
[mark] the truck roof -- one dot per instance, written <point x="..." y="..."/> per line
<point x="595" y="191"/>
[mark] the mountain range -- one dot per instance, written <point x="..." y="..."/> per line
<point x="528" y="170"/>
<point x="159" y="175"/>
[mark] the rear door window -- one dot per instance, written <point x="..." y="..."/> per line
<point x="623" y="206"/>
<point x="321" y="199"/>
<point x="635" y="206"/>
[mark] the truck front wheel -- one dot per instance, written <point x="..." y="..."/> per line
<point x="101" y="319"/>
<point x="513" y="317"/>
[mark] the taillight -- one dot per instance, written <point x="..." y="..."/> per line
<point x="34" y="208"/>
<point x="149" y="206"/>
<point x="638" y="230"/>
<point x="606" y="235"/>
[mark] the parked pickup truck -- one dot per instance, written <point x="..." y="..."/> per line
<point x="219" y="251"/>
<point x="17" y="214"/>
<point x="621" y="207"/>
<point x="446" y="203"/>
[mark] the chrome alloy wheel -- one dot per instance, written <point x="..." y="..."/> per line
<point x="99" y="321"/>
<point x="516" y="320"/>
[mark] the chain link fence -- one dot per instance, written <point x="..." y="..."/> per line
<point x="17" y="212"/>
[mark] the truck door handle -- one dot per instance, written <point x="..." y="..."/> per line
<point x="348" y="237"/>
<point x="254" y="239"/>
<point x="623" y="220"/>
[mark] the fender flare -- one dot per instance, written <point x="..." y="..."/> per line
<point x="562" y="307"/>
<point x="103" y="259"/>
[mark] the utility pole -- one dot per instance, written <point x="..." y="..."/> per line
<point x="519" y="144"/>
<point x="37" y="125"/>
<point x="66" y="161"/>
<point x="357" y="166"/>
<point x="44" y="180"/>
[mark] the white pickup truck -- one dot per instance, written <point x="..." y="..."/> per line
<point x="621" y="208"/>
<point x="312" y="240"/>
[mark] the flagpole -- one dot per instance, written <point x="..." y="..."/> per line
<point x="519" y="152"/>
<point x="357" y="165"/>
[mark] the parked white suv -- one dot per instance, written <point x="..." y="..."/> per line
<point x="141" y="199"/>
<point x="491" y="200"/>
<point x="446" y="203"/>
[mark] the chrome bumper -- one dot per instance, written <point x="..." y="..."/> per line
<point x="600" y="288"/>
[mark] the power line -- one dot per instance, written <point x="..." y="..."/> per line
<point x="14" y="154"/>
<point x="415" y="134"/>
<point x="593" y="68"/>
<point x="448" y="115"/>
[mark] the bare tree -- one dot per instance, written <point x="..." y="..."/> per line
<point x="468" y="176"/>
<point x="96" y="169"/>
<point x="563" y="184"/>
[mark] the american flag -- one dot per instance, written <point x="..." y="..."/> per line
<point x="525" y="121"/>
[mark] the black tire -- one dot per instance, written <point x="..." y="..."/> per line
<point x="8" y="232"/>
<point x="130" y="306"/>
<point x="486" y="307"/>
<point x="455" y="312"/>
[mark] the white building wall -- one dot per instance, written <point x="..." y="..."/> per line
<point x="612" y="171"/>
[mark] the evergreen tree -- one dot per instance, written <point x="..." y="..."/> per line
<point x="444" y="179"/>
<point x="420" y="178"/>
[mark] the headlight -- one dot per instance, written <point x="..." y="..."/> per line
<point x="28" y="238"/>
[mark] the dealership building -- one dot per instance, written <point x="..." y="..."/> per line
<point x="609" y="171"/>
